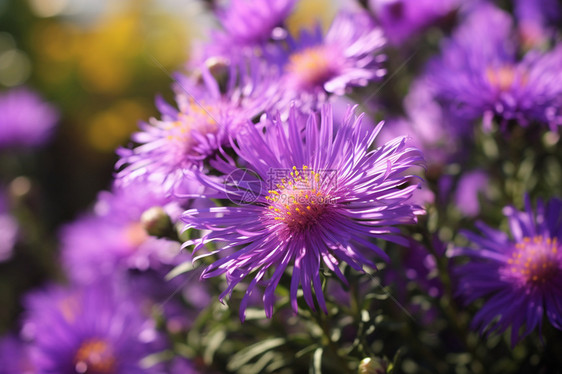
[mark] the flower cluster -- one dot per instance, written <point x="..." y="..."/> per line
<point x="321" y="183"/>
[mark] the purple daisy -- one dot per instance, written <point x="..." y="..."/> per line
<point x="348" y="55"/>
<point x="471" y="186"/>
<point x="430" y="129"/>
<point x="520" y="277"/>
<point x="25" y="119"/>
<point x="317" y="200"/>
<point x="479" y="74"/>
<point x="114" y="236"/>
<point x="537" y="20"/>
<point x="248" y="22"/>
<point x="94" y="329"/>
<point x="401" y="19"/>
<point x="208" y="114"/>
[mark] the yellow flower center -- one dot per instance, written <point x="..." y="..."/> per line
<point x="535" y="260"/>
<point x="312" y="66"/>
<point x="300" y="199"/>
<point x="94" y="357"/>
<point x="198" y="116"/>
<point x="504" y="77"/>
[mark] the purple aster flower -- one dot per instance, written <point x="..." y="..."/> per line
<point x="25" y="119"/>
<point x="519" y="276"/>
<point x="471" y="186"/>
<point x="8" y="230"/>
<point x="94" y="329"/>
<point x="479" y="74"/>
<point x="537" y="20"/>
<point x="253" y="22"/>
<point x="429" y="128"/>
<point x="114" y="237"/>
<point x="247" y="28"/>
<point x="401" y="19"/>
<point x="210" y="111"/>
<point x="348" y="55"/>
<point x="316" y="200"/>
<point x="15" y="356"/>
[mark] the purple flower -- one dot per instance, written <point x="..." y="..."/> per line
<point x="429" y="128"/>
<point x="401" y="19"/>
<point x="470" y="186"/>
<point x="347" y="56"/>
<point x="520" y="277"/>
<point x="208" y="115"/>
<point x="316" y="200"/>
<point x="94" y="329"/>
<point x="537" y="20"/>
<point x="247" y="23"/>
<point x="15" y="356"/>
<point x="8" y="230"/>
<point x="25" y="119"/>
<point x="113" y="236"/>
<point x="479" y="74"/>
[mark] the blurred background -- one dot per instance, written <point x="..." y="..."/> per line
<point x="99" y="64"/>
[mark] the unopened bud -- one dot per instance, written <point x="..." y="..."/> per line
<point x="20" y="187"/>
<point x="157" y="222"/>
<point x="219" y="67"/>
<point x="372" y="366"/>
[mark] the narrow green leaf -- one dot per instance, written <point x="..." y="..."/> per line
<point x="184" y="267"/>
<point x="316" y="364"/>
<point x="246" y="355"/>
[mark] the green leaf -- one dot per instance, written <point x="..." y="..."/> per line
<point x="184" y="267"/>
<point x="213" y="341"/>
<point x="316" y="363"/>
<point x="246" y="355"/>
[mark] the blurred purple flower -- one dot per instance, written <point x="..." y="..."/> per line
<point x="248" y="22"/>
<point x="537" y="20"/>
<point x="113" y="236"/>
<point x="321" y="199"/>
<point x="25" y="119"/>
<point x="8" y="230"/>
<point x="520" y="277"/>
<point x="479" y="74"/>
<point x="348" y="55"/>
<point x="401" y="19"/>
<point x="470" y="186"/>
<point x="93" y="329"/>
<point x="15" y="356"/>
<point x="427" y="126"/>
<point x="211" y="112"/>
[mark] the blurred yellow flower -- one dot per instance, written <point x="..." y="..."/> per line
<point x="309" y="12"/>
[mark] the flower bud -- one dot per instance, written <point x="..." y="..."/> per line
<point x="372" y="366"/>
<point x="156" y="222"/>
